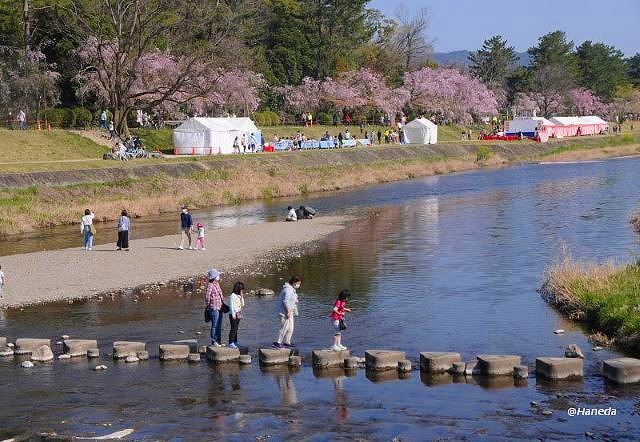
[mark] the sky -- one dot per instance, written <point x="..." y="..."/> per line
<point x="465" y="24"/>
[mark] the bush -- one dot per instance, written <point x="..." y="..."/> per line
<point x="267" y="118"/>
<point x="55" y="117"/>
<point x="325" y="118"/>
<point x="69" y="118"/>
<point x="83" y="117"/>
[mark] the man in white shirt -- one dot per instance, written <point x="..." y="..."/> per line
<point x="22" y="118"/>
<point x="2" y="282"/>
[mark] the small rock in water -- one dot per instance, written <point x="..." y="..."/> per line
<point x="181" y="332"/>
<point x="64" y="356"/>
<point x="194" y="357"/>
<point x="198" y="333"/>
<point x="533" y="403"/>
<point x="589" y="434"/>
<point x="559" y="331"/>
<point x="10" y="345"/>
<point x="596" y="348"/>
<point x="100" y="367"/>
<point x="573" y="351"/>
<point x="26" y="364"/>
<point x="547" y="412"/>
<point x="8" y="351"/>
<point x="143" y="355"/>
<point x="132" y="359"/>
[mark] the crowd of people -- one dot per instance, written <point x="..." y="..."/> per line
<point x="215" y="305"/>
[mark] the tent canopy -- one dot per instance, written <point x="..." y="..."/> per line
<point x="420" y="131"/>
<point x="206" y="136"/>
<point x="568" y="121"/>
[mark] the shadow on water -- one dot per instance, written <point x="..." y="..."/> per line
<point x="442" y="264"/>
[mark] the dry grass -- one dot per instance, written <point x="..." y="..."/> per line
<point x="35" y="207"/>
<point x="606" y="296"/>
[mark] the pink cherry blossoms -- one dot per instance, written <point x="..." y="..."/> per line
<point x="453" y="96"/>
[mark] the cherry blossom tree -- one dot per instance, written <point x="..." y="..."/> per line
<point x="584" y="102"/>
<point x="303" y="97"/>
<point x="449" y="94"/>
<point x="156" y="53"/>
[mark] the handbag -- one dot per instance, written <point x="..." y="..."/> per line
<point x="207" y="314"/>
<point x="342" y="325"/>
<point x="225" y="308"/>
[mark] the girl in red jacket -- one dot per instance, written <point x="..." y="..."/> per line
<point x="337" y="318"/>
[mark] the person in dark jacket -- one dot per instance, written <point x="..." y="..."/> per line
<point x="186" y="226"/>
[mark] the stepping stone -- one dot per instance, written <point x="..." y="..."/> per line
<point x="382" y="360"/>
<point x="245" y="359"/>
<point x="559" y="368"/>
<point x="274" y="356"/>
<point x="3" y="342"/>
<point x="458" y="368"/>
<point x="143" y="355"/>
<point x="78" y="347"/>
<point x="471" y="368"/>
<point x="521" y="372"/>
<point x="42" y="354"/>
<point x="295" y="361"/>
<point x="172" y="352"/>
<point x="351" y="363"/>
<point x="404" y="366"/>
<point x="122" y="349"/>
<point x="192" y="343"/>
<point x="6" y="351"/>
<point x="264" y="292"/>
<point x="222" y="354"/>
<point x="194" y="357"/>
<point x="622" y="370"/>
<point x="438" y="362"/>
<point x="329" y="358"/>
<point x="497" y="365"/>
<point x="29" y="345"/>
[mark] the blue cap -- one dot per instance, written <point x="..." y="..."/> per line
<point x="213" y="274"/>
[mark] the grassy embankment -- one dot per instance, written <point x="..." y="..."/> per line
<point x="604" y="296"/>
<point x="227" y="179"/>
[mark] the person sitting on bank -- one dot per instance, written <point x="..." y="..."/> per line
<point x="291" y="214"/>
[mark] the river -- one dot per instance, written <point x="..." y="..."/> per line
<point x="447" y="263"/>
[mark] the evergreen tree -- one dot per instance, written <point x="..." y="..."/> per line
<point x="633" y="68"/>
<point x="493" y="62"/>
<point x="601" y="68"/>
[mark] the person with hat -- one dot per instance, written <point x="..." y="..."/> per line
<point x="213" y="299"/>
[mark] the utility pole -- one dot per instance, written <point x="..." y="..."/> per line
<point x="27" y="37"/>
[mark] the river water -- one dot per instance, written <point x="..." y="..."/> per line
<point x="448" y="263"/>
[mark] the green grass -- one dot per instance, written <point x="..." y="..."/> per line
<point x="613" y="304"/>
<point x="597" y="142"/>
<point x="161" y="139"/>
<point x="603" y="295"/>
<point x="31" y="145"/>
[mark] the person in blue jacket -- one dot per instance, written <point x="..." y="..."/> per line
<point x="186" y="226"/>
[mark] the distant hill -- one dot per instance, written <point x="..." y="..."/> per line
<point x="462" y="58"/>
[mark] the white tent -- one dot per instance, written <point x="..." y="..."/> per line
<point x="212" y="136"/>
<point x="420" y="131"/>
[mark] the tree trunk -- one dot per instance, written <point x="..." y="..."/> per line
<point x="120" y="122"/>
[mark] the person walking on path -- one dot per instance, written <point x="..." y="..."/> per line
<point x="236" y="303"/>
<point x="103" y="120"/>
<point x="337" y="319"/>
<point x="186" y="225"/>
<point x="112" y="130"/>
<point x="287" y="309"/>
<point x="87" y="229"/>
<point x="200" y="244"/>
<point x="22" y="118"/>
<point x="213" y="299"/>
<point x="3" y="281"/>
<point x="124" y="224"/>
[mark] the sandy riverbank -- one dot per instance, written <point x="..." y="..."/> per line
<point x="74" y="273"/>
